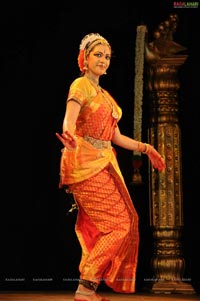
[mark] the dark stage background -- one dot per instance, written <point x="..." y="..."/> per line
<point x="39" y="48"/>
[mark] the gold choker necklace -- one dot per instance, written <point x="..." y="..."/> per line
<point x="92" y="80"/>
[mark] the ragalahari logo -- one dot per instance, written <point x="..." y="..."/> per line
<point x="190" y="4"/>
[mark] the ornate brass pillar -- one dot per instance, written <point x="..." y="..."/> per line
<point x="166" y="208"/>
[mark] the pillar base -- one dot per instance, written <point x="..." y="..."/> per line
<point x="170" y="287"/>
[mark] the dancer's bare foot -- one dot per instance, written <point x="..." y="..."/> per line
<point x="84" y="294"/>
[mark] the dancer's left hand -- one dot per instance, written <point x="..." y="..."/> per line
<point x="156" y="159"/>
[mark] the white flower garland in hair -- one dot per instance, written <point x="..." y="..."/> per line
<point x="138" y="84"/>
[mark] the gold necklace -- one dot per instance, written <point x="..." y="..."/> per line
<point x="115" y="114"/>
<point x="92" y="80"/>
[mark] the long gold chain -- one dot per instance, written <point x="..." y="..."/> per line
<point x="115" y="114"/>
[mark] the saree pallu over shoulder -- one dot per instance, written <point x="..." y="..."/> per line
<point x="85" y="161"/>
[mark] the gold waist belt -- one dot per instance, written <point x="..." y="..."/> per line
<point x="98" y="143"/>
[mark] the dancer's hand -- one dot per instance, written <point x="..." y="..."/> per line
<point x="68" y="140"/>
<point x="155" y="158"/>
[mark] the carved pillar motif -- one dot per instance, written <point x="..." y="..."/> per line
<point x="166" y="208"/>
<point x="166" y="205"/>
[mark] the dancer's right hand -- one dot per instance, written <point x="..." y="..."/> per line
<point x="68" y="140"/>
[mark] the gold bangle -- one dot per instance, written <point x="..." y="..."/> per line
<point x="147" y="149"/>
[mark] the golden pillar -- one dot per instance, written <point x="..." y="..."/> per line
<point x="166" y="204"/>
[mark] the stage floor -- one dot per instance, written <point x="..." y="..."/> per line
<point x="69" y="296"/>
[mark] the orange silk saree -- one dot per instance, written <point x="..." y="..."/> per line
<point x="107" y="222"/>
